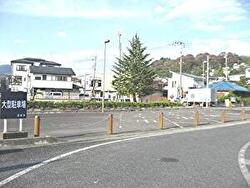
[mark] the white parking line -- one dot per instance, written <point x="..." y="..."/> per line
<point x="214" y="115"/>
<point x="176" y="124"/>
<point x="184" y="117"/>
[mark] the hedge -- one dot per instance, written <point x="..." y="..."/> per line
<point x="96" y="104"/>
<point x="239" y="99"/>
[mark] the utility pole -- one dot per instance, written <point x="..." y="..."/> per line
<point x="203" y="71"/>
<point x="181" y="45"/>
<point x="94" y="81"/>
<point x="207" y="71"/>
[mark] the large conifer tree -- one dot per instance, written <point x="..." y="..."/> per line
<point x="133" y="73"/>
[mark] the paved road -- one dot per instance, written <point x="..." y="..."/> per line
<point x="205" y="158"/>
<point x="65" y="125"/>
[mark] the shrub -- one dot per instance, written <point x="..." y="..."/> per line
<point x="96" y="104"/>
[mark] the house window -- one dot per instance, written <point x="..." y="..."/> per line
<point x="16" y="80"/>
<point x="21" y="68"/>
<point x="99" y="83"/>
<point x="173" y="84"/>
<point x="44" y="77"/>
<point x="61" y="78"/>
<point x="38" y="78"/>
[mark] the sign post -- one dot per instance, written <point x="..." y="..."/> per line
<point x="13" y="106"/>
<point x="5" y="125"/>
<point x="20" y="125"/>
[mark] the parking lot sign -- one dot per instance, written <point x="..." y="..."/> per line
<point x="13" y="105"/>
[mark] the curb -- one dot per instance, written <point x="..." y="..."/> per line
<point x="12" y="143"/>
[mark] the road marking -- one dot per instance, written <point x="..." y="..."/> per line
<point x="146" y="121"/>
<point x="214" y="115"/>
<point x="184" y="117"/>
<point x="243" y="163"/>
<point x="176" y="124"/>
<point x="212" y="120"/>
<point x="170" y="132"/>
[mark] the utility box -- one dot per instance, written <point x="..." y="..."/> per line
<point x="201" y="96"/>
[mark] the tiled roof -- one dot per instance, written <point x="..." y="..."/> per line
<point x="51" y="70"/>
<point x="227" y="86"/>
<point x="29" y="60"/>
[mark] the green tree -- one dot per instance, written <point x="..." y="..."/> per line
<point x="243" y="82"/>
<point x="133" y="73"/>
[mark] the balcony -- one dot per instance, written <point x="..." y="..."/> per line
<point x="51" y="84"/>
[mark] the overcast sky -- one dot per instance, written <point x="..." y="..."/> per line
<point x="71" y="32"/>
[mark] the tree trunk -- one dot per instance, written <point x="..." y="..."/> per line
<point x="134" y="97"/>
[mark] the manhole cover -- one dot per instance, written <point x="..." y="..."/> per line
<point x="169" y="160"/>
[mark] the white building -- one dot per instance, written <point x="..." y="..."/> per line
<point x="42" y="79"/>
<point x="92" y="87"/>
<point x="188" y="81"/>
<point x="235" y="77"/>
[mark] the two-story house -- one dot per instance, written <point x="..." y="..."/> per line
<point x="42" y="79"/>
<point x="188" y="81"/>
<point x="92" y="88"/>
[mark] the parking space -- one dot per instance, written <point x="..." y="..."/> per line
<point x="82" y="123"/>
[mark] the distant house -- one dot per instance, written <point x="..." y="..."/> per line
<point x="188" y="81"/>
<point x="43" y="79"/>
<point x="223" y="87"/>
<point x="93" y="86"/>
<point x="4" y="82"/>
<point x="235" y="77"/>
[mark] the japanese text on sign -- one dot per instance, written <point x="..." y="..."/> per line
<point x="13" y="104"/>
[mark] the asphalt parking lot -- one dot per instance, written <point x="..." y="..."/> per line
<point x="71" y="124"/>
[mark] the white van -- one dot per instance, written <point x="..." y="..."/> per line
<point x="55" y="95"/>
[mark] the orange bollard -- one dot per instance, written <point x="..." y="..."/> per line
<point x="161" y="120"/>
<point x="223" y="116"/>
<point x="110" y="124"/>
<point x="197" y="118"/>
<point x="36" y="126"/>
<point x="242" y="115"/>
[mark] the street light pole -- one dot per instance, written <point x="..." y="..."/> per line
<point x="120" y="45"/>
<point x="104" y="72"/>
<point x="226" y="67"/>
<point x="181" y="76"/>
<point x="207" y="77"/>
